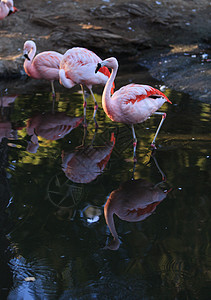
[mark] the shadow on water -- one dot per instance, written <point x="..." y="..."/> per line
<point x="58" y="178"/>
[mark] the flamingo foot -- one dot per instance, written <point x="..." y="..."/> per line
<point x="153" y="149"/>
<point x="85" y="124"/>
<point x="153" y="146"/>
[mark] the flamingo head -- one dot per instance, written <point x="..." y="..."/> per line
<point x="12" y="9"/>
<point x="28" y="46"/>
<point x="109" y="63"/>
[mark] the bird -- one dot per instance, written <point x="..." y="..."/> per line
<point x="6" y="8"/>
<point x="131" y="104"/>
<point x="44" y="65"/>
<point x="78" y="67"/>
<point x="133" y="201"/>
<point x="86" y="163"/>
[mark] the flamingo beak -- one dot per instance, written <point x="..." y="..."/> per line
<point x="12" y="10"/>
<point x="98" y="67"/>
<point x="25" y="54"/>
<point x="15" y="9"/>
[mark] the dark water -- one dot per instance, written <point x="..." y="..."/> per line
<point x="53" y="230"/>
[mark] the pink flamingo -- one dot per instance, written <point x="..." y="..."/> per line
<point x="78" y="67"/>
<point x="133" y="201"/>
<point x="6" y="8"/>
<point x="85" y="164"/>
<point x="131" y="104"/>
<point x="44" y="65"/>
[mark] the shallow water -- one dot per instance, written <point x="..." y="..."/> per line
<point x="52" y="201"/>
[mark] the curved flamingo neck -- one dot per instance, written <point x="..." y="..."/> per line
<point x="106" y="97"/>
<point x="4" y="10"/>
<point x="66" y="82"/>
<point x="28" y="66"/>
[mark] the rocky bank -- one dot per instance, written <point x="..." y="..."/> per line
<point x="170" y="38"/>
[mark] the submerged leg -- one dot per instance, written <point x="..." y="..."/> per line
<point x="84" y="105"/>
<point x="134" y="143"/>
<point x="53" y="95"/>
<point x="159" y="127"/>
<point x="95" y="107"/>
<point x="134" y="168"/>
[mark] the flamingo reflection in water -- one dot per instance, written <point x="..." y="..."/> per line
<point x="51" y="126"/>
<point x="87" y="162"/>
<point x="133" y="201"/>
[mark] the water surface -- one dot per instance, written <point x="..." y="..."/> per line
<point x="54" y="227"/>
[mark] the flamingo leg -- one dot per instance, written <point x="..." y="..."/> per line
<point x="53" y="95"/>
<point x="134" y="143"/>
<point x="95" y="107"/>
<point x="159" y="127"/>
<point x="84" y="105"/>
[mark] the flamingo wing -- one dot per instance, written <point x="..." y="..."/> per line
<point x="137" y="102"/>
<point x="134" y="93"/>
<point x="79" y="56"/>
<point x="48" y="59"/>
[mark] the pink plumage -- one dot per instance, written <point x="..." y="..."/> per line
<point x="44" y="65"/>
<point x="131" y="104"/>
<point x="78" y="67"/>
<point x="6" y="8"/>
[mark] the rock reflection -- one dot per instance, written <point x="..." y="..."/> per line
<point x="91" y="214"/>
<point x="87" y="162"/>
<point x="51" y="126"/>
<point x="133" y="201"/>
<point x="6" y="129"/>
<point x="33" y="279"/>
<point x="5" y="222"/>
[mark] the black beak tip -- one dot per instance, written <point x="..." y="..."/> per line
<point x="26" y="56"/>
<point x="98" y="67"/>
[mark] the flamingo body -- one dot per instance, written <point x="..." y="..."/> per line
<point x="6" y="8"/>
<point x="44" y="65"/>
<point x="78" y="67"/>
<point x="131" y="104"/>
